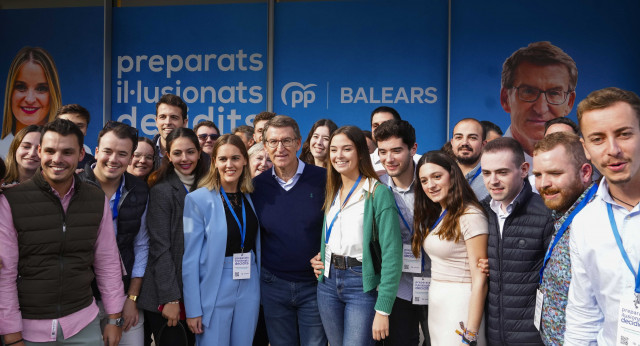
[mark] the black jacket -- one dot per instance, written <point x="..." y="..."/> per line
<point x="515" y="259"/>
<point x="131" y="207"/>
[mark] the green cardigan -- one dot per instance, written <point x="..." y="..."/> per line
<point x="381" y="205"/>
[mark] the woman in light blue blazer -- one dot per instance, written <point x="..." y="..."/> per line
<point x="222" y="250"/>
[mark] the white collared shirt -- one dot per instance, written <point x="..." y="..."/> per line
<point x="496" y="206"/>
<point x="598" y="270"/>
<point x="289" y="184"/>
<point x="347" y="234"/>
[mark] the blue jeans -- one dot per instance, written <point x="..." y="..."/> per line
<point x="347" y="312"/>
<point x="291" y="311"/>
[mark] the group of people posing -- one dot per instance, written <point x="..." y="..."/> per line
<point x="202" y="237"/>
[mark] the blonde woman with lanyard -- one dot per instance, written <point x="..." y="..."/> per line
<point x="222" y="248"/>
<point x="356" y="293"/>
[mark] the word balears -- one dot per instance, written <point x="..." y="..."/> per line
<point x="389" y="95"/>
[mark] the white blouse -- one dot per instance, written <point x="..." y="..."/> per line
<point x="346" y="234"/>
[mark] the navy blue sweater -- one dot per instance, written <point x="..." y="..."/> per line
<point x="290" y="222"/>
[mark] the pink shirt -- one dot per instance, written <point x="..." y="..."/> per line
<point x="107" y="269"/>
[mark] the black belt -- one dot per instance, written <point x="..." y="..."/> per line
<point x="344" y="262"/>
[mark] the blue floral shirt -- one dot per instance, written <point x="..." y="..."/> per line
<point x="556" y="280"/>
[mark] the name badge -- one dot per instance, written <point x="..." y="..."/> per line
<point x="537" y="315"/>
<point x="327" y="260"/>
<point x="421" y="290"/>
<point x="241" y="266"/>
<point x="629" y="318"/>
<point x="54" y="330"/>
<point x="410" y="264"/>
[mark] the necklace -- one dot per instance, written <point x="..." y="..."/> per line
<point x="619" y="200"/>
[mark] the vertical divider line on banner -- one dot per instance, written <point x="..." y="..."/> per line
<point x="449" y="71"/>
<point x="106" y="58"/>
<point x="270" y="38"/>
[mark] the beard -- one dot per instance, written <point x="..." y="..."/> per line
<point x="467" y="160"/>
<point x="567" y="196"/>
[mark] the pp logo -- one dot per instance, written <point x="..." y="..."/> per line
<point x="299" y="94"/>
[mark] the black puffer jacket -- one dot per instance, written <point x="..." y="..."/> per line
<point x="515" y="259"/>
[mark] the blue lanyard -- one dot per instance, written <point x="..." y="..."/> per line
<point x="475" y="175"/>
<point x="565" y="225"/>
<point x="439" y="219"/>
<point x="614" y="227"/>
<point x="116" y="200"/>
<point x="243" y="226"/>
<point x="328" y="232"/>
<point x="400" y="213"/>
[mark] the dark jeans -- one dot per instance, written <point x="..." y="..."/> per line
<point x="291" y="311"/>
<point x="170" y="336"/>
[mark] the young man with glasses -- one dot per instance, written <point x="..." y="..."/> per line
<point x="207" y="133"/>
<point x="128" y="196"/>
<point x="288" y="201"/>
<point x="538" y="84"/>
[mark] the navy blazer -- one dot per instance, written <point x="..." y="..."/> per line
<point x="205" y="243"/>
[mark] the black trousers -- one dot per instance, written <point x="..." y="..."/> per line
<point x="404" y="323"/>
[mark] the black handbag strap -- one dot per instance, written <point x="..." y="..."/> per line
<point x="184" y="334"/>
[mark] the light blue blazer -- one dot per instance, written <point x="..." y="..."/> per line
<point x="205" y="243"/>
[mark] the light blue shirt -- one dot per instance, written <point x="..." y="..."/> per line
<point x="405" y="198"/>
<point x="140" y="242"/>
<point x="288" y="185"/>
<point x="477" y="183"/>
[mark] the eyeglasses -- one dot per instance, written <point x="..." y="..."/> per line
<point x="286" y="142"/>
<point x="531" y="94"/>
<point x="132" y="131"/>
<point x="141" y="155"/>
<point x="203" y="137"/>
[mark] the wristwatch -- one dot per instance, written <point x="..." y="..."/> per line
<point x="132" y="297"/>
<point x="118" y="322"/>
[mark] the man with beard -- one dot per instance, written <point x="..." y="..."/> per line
<point x="56" y="235"/>
<point x="467" y="143"/>
<point x="396" y="140"/>
<point x="563" y="179"/>
<point x="604" y="295"/>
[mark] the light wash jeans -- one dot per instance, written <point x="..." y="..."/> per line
<point x="347" y="312"/>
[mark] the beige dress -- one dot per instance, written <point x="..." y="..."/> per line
<point x="451" y="280"/>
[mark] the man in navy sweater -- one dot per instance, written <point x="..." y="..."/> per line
<point x="288" y="200"/>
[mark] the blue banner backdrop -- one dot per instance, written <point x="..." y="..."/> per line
<point x="213" y="56"/>
<point x="342" y="59"/>
<point x="602" y="38"/>
<point x="74" y="39"/>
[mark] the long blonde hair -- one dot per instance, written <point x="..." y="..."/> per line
<point x="212" y="179"/>
<point x="334" y="181"/>
<point x="41" y="57"/>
